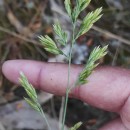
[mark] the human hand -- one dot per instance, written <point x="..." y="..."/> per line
<point x="108" y="87"/>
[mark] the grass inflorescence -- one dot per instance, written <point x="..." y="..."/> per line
<point x="51" y="46"/>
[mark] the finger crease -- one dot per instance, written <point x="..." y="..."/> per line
<point x="39" y="80"/>
<point x="123" y="104"/>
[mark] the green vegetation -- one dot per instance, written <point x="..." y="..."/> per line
<point x="51" y="46"/>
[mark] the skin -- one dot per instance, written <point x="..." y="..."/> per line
<point x="108" y="87"/>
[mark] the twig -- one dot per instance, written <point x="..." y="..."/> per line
<point x="116" y="55"/>
<point x="40" y="8"/>
<point x="18" y="36"/>
<point x="18" y="25"/>
<point x="111" y="35"/>
<point x="36" y="44"/>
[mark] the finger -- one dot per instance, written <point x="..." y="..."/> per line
<point x="108" y="88"/>
<point x="125" y="113"/>
<point x="114" y="125"/>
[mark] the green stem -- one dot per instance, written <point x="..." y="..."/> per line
<point x="44" y="117"/>
<point x="66" y="56"/>
<point x="68" y="83"/>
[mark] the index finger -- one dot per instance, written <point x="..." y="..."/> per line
<point x="108" y="88"/>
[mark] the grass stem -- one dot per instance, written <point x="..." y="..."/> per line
<point x="44" y="117"/>
<point x="68" y="83"/>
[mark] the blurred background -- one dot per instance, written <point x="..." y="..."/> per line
<point x="21" y="21"/>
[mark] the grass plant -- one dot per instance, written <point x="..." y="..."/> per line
<point x="51" y="46"/>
